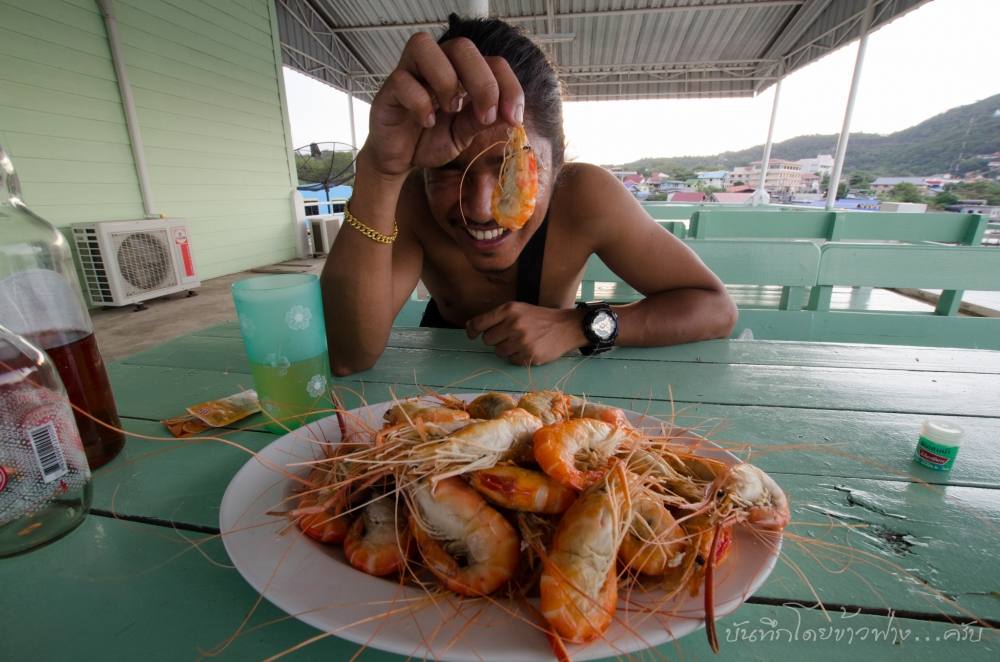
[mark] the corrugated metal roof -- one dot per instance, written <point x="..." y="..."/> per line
<point x="603" y="49"/>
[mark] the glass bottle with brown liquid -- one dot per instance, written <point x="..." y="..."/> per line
<point x="45" y="487"/>
<point x="40" y="299"/>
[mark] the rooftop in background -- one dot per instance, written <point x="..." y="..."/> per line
<point x="616" y="52"/>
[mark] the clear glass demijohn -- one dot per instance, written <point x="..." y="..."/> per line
<point x="44" y="477"/>
<point x="40" y="299"/>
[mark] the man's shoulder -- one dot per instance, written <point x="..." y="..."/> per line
<point x="588" y="195"/>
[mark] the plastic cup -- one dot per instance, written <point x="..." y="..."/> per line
<point x="281" y="320"/>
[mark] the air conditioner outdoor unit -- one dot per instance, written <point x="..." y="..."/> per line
<point x="324" y="230"/>
<point x="128" y="262"/>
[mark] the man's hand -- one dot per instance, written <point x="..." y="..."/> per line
<point x="529" y="335"/>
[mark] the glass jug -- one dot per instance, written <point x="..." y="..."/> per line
<point x="44" y="478"/>
<point x="40" y="299"/>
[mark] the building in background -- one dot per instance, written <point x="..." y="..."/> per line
<point x="821" y="165"/>
<point x="782" y="176"/>
<point x="714" y="178"/>
<point x="884" y="185"/>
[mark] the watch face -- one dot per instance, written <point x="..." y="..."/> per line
<point x="603" y="325"/>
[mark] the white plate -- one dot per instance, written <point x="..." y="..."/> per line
<point x="312" y="582"/>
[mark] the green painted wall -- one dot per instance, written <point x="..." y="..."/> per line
<point x="209" y="97"/>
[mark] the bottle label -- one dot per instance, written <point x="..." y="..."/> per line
<point x="48" y="453"/>
<point x="935" y="456"/>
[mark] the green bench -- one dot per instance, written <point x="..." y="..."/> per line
<point x="801" y="267"/>
<point x="941" y="227"/>
<point x="952" y="269"/>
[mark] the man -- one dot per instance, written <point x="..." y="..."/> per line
<point x="421" y="209"/>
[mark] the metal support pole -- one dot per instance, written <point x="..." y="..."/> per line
<point x="845" y="131"/>
<point x="350" y="113"/>
<point x="128" y="105"/>
<point x="761" y="196"/>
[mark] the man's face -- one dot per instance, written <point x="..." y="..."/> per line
<point x="487" y="246"/>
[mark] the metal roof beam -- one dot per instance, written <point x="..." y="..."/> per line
<point x="760" y="4"/>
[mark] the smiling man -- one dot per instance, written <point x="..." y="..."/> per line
<point x="422" y="210"/>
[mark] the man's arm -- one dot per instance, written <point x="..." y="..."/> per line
<point x="684" y="301"/>
<point x="365" y="283"/>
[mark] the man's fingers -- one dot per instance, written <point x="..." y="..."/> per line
<point x="407" y="92"/>
<point x="427" y="62"/>
<point x="476" y="77"/>
<point x="511" y="94"/>
<point x="487" y="320"/>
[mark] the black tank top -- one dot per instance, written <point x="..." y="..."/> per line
<point x="529" y="279"/>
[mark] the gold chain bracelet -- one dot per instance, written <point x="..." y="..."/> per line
<point x="369" y="232"/>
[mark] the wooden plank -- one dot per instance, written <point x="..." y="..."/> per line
<point x="934" y="226"/>
<point x="172" y="479"/>
<point x="62" y="125"/>
<point x="728" y="223"/>
<point x="944" y="393"/>
<point x="939" y="267"/>
<point x="146" y="574"/>
<point x="759" y="262"/>
<point x="207" y="146"/>
<point x="203" y="108"/>
<point x="906" y="329"/>
<point x="763" y="352"/>
<point x="15" y="46"/>
<point x="28" y="72"/>
<point x="34" y="150"/>
<point x="56" y="32"/>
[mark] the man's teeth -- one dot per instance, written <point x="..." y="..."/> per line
<point x="485" y="235"/>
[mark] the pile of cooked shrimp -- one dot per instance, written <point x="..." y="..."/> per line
<point x="547" y="495"/>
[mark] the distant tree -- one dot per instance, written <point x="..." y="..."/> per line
<point x="824" y="186"/>
<point x="905" y="192"/>
<point x="945" y="198"/>
<point x="981" y="190"/>
<point x="861" y="179"/>
<point x="966" y="166"/>
<point x="683" y="174"/>
<point x="739" y="183"/>
<point x="656" y="197"/>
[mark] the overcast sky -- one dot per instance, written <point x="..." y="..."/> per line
<point x="935" y="58"/>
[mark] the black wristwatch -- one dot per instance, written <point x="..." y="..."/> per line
<point x="600" y="327"/>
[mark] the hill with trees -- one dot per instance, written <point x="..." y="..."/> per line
<point x="944" y="143"/>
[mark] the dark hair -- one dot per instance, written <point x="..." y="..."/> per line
<point x="542" y="92"/>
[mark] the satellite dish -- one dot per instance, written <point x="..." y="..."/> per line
<point x="325" y="165"/>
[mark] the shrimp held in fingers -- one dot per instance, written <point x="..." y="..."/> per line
<point x="517" y="488"/>
<point x="579" y="584"/>
<point x="513" y="200"/>
<point x="376" y="543"/>
<point x="465" y="542"/>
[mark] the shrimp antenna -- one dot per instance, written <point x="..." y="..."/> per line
<point x="461" y="181"/>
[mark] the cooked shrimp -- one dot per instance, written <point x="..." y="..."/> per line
<point x="513" y="200"/>
<point x="409" y="411"/>
<point x="654" y="541"/>
<point x="482" y="444"/>
<point x="491" y="405"/>
<point x="747" y="494"/>
<point x="581" y="408"/>
<point x="466" y="543"/>
<point x="579" y="585"/>
<point x="550" y="406"/>
<point x="522" y="489"/>
<point x="576" y="452"/>
<point x="319" y="513"/>
<point x="375" y="543"/>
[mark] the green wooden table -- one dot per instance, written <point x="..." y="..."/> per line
<point x="904" y="559"/>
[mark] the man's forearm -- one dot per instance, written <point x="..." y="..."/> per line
<point x="675" y="317"/>
<point x="357" y="277"/>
